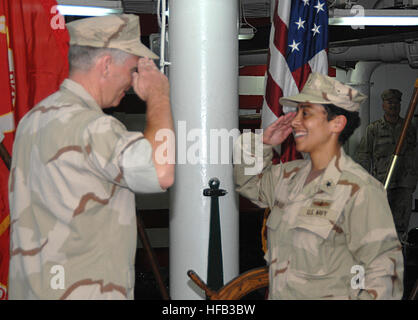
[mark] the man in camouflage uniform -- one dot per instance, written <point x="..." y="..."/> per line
<point x="75" y="169"/>
<point x="330" y="231"/>
<point x="375" y="152"/>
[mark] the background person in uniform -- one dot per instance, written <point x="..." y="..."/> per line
<point x="75" y="169"/>
<point x="375" y="152"/>
<point x="330" y="231"/>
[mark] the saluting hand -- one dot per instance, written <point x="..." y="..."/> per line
<point x="149" y="82"/>
<point x="279" y="130"/>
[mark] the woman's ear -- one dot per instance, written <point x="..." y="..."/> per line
<point x="338" y="123"/>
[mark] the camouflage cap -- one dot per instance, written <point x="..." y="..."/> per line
<point x="322" y="89"/>
<point x="112" y="31"/>
<point x="391" y="94"/>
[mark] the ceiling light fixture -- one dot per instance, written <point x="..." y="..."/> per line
<point x="89" y="8"/>
<point x="374" y="21"/>
<point x="246" y="30"/>
<point x="246" y="33"/>
<point x="364" y="17"/>
<point x="67" y="10"/>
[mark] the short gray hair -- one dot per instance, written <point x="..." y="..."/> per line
<point x="83" y="57"/>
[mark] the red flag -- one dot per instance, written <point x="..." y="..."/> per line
<point x="298" y="42"/>
<point x="33" y="63"/>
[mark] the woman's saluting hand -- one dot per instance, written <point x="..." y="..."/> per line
<point x="279" y="130"/>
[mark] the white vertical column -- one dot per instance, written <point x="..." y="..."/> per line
<point x="203" y="51"/>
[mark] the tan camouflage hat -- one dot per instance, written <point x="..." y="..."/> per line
<point x="112" y="31"/>
<point x="391" y="94"/>
<point x="322" y="89"/>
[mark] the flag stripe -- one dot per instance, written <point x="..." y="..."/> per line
<point x="280" y="37"/>
<point x="317" y="62"/>
<point x="267" y="116"/>
<point x="301" y="75"/>
<point x="283" y="11"/>
<point x="281" y="73"/>
<point x="273" y="93"/>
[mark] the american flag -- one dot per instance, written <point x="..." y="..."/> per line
<point x="298" y="46"/>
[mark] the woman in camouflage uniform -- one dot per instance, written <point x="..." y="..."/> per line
<point x="330" y="232"/>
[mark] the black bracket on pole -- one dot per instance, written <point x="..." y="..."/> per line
<point x="215" y="263"/>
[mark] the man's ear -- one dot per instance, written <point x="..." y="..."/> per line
<point x="103" y="64"/>
<point x="338" y="123"/>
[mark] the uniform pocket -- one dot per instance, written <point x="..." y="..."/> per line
<point x="318" y="221"/>
<point x="316" y="226"/>
<point x="319" y="275"/>
<point x="309" y="237"/>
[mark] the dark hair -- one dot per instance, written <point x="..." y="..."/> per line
<point x="353" y="120"/>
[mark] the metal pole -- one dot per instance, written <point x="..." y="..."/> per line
<point x="203" y="52"/>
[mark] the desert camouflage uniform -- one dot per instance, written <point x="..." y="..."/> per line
<point x="71" y="192"/>
<point x="375" y="154"/>
<point x="321" y="235"/>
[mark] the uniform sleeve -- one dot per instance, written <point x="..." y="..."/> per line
<point x="254" y="175"/>
<point x="372" y="239"/>
<point x="121" y="156"/>
<point x="138" y="168"/>
<point x="365" y="150"/>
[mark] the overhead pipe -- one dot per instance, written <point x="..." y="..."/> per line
<point x="386" y="52"/>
